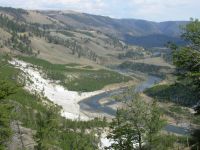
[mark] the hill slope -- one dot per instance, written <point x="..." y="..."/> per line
<point x="137" y="29"/>
<point x="37" y="33"/>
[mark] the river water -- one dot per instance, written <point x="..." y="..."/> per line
<point x="92" y="104"/>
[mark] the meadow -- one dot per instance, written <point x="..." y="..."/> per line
<point x="76" y="77"/>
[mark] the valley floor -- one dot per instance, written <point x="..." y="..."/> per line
<point x="34" y="81"/>
<point x="68" y="100"/>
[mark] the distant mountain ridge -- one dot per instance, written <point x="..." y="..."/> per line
<point x="132" y="31"/>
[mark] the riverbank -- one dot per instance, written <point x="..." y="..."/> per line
<point x="103" y="104"/>
<point x="68" y="100"/>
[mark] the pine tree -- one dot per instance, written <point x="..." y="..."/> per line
<point x="6" y="89"/>
<point x="154" y="124"/>
<point x="187" y="58"/>
<point x="136" y="125"/>
<point x="187" y="62"/>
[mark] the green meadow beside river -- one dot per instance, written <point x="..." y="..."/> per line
<point x="76" y="77"/>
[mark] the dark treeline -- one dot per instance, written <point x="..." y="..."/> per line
<point x="17" y="13"/>
<point x="11" y="25"/>
<point x="145" y="68"/>
<point x="131" y="54"/>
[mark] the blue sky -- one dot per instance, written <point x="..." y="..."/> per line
<point x="155" y="10"/>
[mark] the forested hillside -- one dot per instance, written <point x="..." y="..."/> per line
<point x="48" y="38"/>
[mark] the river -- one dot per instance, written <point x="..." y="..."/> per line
<point x="92" y="104"/>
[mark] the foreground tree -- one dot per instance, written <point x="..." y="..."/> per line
<point x="6" y="89"/>
<point x="187" y="58"/>
<point x="187" y="62"/>
<point x="47" y="126"/>
<point x="136" y="125"/>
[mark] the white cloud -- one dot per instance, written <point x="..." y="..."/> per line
<point x="39" y="4"/>
<point x="165" y="9"/>
<point x="142" y="9"/>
